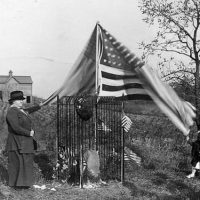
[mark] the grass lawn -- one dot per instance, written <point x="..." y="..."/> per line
<point x="155" y="179"/>
<point x="112" y="190"/>
<point x="140" y="184"/>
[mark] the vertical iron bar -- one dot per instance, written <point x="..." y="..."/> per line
<point x="111" y="134"/>
<point x="70" y="132"/>
<point x="103" y="107"/>
<point x="57" y="135"/>
<point x="122" y="147"/>
<point x="108" y="102"/>
<point x="81" y="156"/>
<point x="97" y="131"/>
<point x="117" y="135"/>
<point x="68" y="128"/>
<point x="95" y="121"/>
<point x="75" y="149"/>
<point x="66" y="124"/>
<point x="61" y="124"/>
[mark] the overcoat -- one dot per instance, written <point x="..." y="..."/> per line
<point x="20" y="146"/>
<point x="195" y="152"/>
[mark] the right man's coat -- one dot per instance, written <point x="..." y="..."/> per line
<point x="195" y="153"/>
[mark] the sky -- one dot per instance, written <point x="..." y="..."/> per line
<point x="43" y="38"/>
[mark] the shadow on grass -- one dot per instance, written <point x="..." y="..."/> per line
<point x="160" y="178"/>
<point x="131" y="186"/>
<point x="45" y="165"/>
<point x="179" y="190"/>
<point x="158" y="181"/>
<point x="3" y="169"/>
<point x="183" y="167"/>
<point x="191" y="195"/>
<point x="136" y="192"/>
<point x="150" y="165"/>
<point x="3" y="174"/>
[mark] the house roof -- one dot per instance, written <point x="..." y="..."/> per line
<point x="19" y="79"/>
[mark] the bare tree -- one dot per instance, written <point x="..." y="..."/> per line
<point x="178" y="33"/>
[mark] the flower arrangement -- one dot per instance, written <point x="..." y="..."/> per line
<point x="67" y="166"/>
<point x="83" y="105"/>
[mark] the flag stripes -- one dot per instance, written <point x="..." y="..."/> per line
<point x="101" y="126"/>
<point x="118" y="77"/>
<point x="121" y="87"/>
<point x="111" y="82"/>
<point x="126" y="123"/>
<point x="131" y="94"/>
<point x="119" y="82"/>
<point x="130" y="156"/>
<point x="88" y="83"/>
<point x="149" y="86"/>
<point x="180" y="112"/>
<point x="117" y="70"/>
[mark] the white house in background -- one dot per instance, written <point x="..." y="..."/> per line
<point x="11" y="83"/>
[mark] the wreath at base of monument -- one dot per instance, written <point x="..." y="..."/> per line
<point x="83" y="105"/>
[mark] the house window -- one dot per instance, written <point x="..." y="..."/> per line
<point x="28" y="99"/>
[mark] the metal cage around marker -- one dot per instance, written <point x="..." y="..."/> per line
<point x="102" y="132"/>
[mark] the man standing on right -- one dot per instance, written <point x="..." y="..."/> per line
<point x="195" y="154"/>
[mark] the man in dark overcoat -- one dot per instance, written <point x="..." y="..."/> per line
<point x="195" y="155"/>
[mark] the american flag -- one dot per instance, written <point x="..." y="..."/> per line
<point x="82" y="76"/>
<point x="117" y="76"/>
<point x="130" y="156"/>
<point x="126" y="123"/>
<point x="108" y="68"/>
<point x="180" y="112"/>
<point x="102" y="126"/>
<point x="122" y="74"/>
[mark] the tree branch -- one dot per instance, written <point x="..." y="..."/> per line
<point x="178" y="25"/>
<point x="195" y="32"/>
<point x="171" y="50"/>
<point x="179" y="71"/>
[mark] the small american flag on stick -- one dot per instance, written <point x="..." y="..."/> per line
<point x="126" y="123"/>
<point x="130" y="156"/>
<point x="101" y="126"/>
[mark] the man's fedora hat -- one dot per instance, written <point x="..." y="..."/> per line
<point x="16" y="95"/>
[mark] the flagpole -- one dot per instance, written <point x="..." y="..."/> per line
<point x="96" y="86"/>
<point x="58" y="133"/>
<point x="97" y="55"/>
<point x="81" y="155"/>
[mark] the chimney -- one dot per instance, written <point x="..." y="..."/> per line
<point x="10" y="73"/>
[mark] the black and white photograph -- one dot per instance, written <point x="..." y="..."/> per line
<point x="99" y="99"/>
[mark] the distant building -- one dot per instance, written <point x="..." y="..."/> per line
<point x="10" y="83"/>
